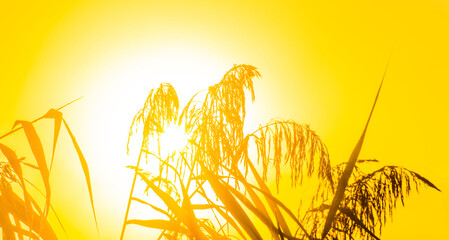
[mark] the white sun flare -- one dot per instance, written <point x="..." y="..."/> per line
<point x="173" y="139"/>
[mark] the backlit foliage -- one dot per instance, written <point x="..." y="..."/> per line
<point x="217" y="173"/>
<point x="20" y="214"/>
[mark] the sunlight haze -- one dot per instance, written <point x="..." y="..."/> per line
<point x="321" y="64"/>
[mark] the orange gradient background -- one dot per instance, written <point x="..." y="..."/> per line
<point x="321" y="63"/>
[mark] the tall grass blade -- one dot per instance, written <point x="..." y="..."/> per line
<point x="258" y="204"/>
<point x="152" y="206"/>
<point x="15" y="164"/>
<point x="36" y="206"/>
<point x="85" y="170"/>
<point x="232" y="222"/>
<point x="211" y="231"/>
<point x="274" y="208"/>
<point x="285" y="208"/>
<point x="57" y="116"/>
<point x="15" y="206"/>
<point x="181" y="213"/>
<point x="35" y="120"/>
<point x="232" y="205"/>
<point x="38" y="152"/>
<point x="347" y="212"/>
<point x="253" y="209"/>
<point x="252" y="194"/>
<point x="22" y="232"/>
<point x="18" y="227"/>
<point x="343" y="181"/>
<point x="5" y="223"/>
<point x="226" y="216"/>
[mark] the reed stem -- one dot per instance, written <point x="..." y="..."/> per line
<point x="131" y="193"/>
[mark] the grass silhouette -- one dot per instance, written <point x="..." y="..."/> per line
<point x="25" y="210"/>
<point x="216" y="187"/>
<point x="216" y="172"/>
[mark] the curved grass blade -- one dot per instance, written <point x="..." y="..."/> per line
<point x="15" y="164"/>
<point x="16" y="206"/>
<point x="30" y="165"/>
<point x="343" y="181"/>
<point x="36" y="206"/>
<point x="178" y="211"/>
<point x="259" y="214"/>
<point x="352" y="216"/>
<point x="57" y="116"/>
<point x="85" y="170"/>
<point x="152" y="206"/>
<point x="35" y="120"/>
<point x="5" y="223"/>
<point x="18" y="227"/>
<point x="211" y="231"/>
<point x="285" y="208"/>
<point x="24" y="232"/>
<point x="225" y="215"/>
<point x="255" y="198"/>
<point x="274" y="208"/>
<point x="38" y="152"/>
<point x="232" y="205"/>
<point x="257" y="204"/>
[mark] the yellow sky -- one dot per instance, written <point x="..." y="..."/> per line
<point x="321" y="63"/>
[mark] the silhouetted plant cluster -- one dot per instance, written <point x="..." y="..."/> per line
<point x="216" y="173"/>
<point x="216" y="186"/>
<point x="20" y="214"/>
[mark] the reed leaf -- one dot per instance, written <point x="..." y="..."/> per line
<point x="57" y="116"/>
<point x="16" y="206"/>
<point x="285" y="208"/>
<point x="179" y="212"/>
<point x="36" y="206"/>
<point x="38" y="152"/>
<point x="22" y="232"/>
<point x="5" y="223"/>
<point x="355" y="221"/>
<point x="265" y="220"/>
<point x="15" y="164"/>
<point x="273" y="206"/>
<point x="260" y="207"/>
<point x="85" y="171"/>
<point x="343" y="181"/>
<point x="152" y="206"/>
<point x="232" y="205"/>
<point x="18" y="227"/>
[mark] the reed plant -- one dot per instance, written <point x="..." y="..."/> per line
<point x="20" y="214"/>
<point x="217" y="186"/>
<point x="217" y="173"/>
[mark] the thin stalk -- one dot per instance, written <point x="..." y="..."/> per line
<point x="35" y="120"/>
<point x="131" y="192"/>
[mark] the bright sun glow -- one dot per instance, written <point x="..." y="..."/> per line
<point x="173" y="139"/>
<point x="125" y="81"/>
<point x="311" y="54"/>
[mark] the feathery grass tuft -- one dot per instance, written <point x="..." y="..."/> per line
<point x="216" y="174"/>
